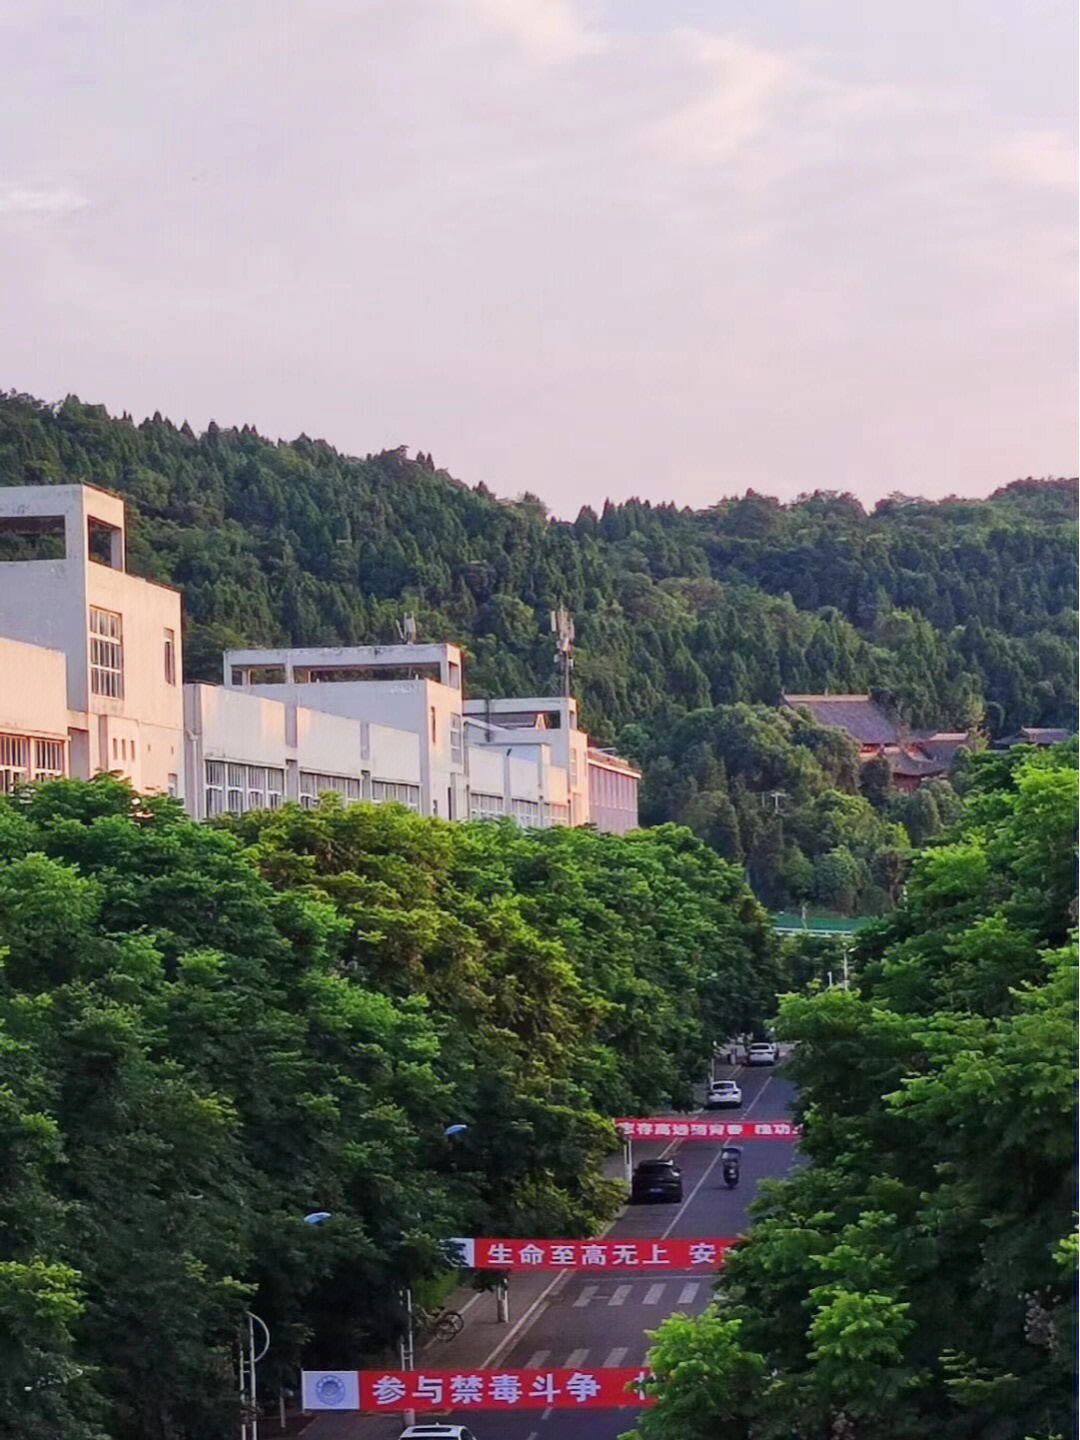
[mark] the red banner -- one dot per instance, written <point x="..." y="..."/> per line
<point x="582" y="1389"/>
<point x="649" y="1128"/>
<point x="678" y="1253"/>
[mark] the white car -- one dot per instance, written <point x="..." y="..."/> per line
<point x="723" y="1095"/>
<point x="763" y="1053"/>
<point x="433" y="1430"/>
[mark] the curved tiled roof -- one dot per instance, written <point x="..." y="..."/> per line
<point x="857" y="714"/>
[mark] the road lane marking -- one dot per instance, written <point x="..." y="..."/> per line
<point x="615" y="1357"/>
<point x="687" y="1293"/>
<point x="575" y="1358"/>
<point x="587" y="1293"/>
<point x="619" y="1294"/>
<point x="535" y="1360"/>
<point x="652" y="1295"/>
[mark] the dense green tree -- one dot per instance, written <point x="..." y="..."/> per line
<point x="918" y="1276"/>
<point x="208" y="1031"/>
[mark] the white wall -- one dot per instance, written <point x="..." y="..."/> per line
<point x="33" y="690"/>
<point x="47" y="603"/>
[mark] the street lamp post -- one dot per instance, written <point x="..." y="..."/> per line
<point x="248" y="1363"/>
<point x="249" y="1360"/>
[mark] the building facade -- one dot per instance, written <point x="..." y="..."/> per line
<point x="67" y="591"/>
<point x="91" y="680"/>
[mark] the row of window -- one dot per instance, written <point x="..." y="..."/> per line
<point x="27" y="757"/>
<point x="382" y="790"/>
<point x="235" y="788"/>
<point x="312" y="785"/>
<point x="107" y="654"/>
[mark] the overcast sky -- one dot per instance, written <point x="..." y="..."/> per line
<point x="667" y="248"/>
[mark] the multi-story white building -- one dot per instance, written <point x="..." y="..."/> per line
<point x="66" y="591"/>
<point x="90" y="680"/>
<point x="551" y="723"/>
<point x="613" y="792"/>
<point x="412" y="688"/>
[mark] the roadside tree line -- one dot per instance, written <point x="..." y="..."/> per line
<point x="208" y="1032"/>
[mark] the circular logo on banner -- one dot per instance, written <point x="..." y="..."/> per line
<point x="330" y="1389"/>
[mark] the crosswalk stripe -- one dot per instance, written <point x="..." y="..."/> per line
<point x="687" y="1293"/>
<point x="534" y="1362"/>
<point x="575" y="1358"/>
<point x="619" y="1294"/>
<point x="587" y="1293"/>
<point x="652" y="1295"/>
<point x="616" y="1357"/>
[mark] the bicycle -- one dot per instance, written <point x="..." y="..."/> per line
<point x="440" y="1324"/>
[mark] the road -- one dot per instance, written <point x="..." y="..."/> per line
<point x="589" y="1318"/>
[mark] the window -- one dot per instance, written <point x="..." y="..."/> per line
<point x="234" y="793"/>
<point x="275" y="788"/>
<point x="312" y="785"/>
<point x="170" y="657"/>
<point x="484" y="807"/>
<point x="48" y="757"/>
<point x="434" y="729"/>
<point x="525" y="812"/>
<point x="14" y="762"/>
<point x="215" y="788"/>
<point x="384" y="790"/>
<point x="106" y="653"/>
<point x="456" y="747"/>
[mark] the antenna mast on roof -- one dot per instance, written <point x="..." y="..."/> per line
<point x="562" y="627"/>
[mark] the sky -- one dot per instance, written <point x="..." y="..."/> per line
<point x="581" y="248"/>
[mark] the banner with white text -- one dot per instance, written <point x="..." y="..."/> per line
<point x="375" y="1391"/>
<point x="677" y="1253"/>
<point x="650" y="1128"/>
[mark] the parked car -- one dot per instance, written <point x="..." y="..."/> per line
<point x="433" y="1430"/>
<point x="656" y="1180"/>
<point x="723" y="1095"/>
<point x="763" y="1053"/>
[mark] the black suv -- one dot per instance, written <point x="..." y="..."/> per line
<point x="656" y="1180"/>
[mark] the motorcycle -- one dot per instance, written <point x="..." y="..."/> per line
<point x="730" y="1156"/>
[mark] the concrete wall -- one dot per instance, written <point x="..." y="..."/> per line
<point x="613" y="793"/>
<point x="33" y="690"/>
<point x="48" y="602"/>
<point x="237" y="727"/>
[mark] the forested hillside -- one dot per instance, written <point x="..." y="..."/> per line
<point x="918" y="1276"/>
<point x="955" y="614"/>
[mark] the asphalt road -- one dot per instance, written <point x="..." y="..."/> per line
<point x="594" y="1319"/>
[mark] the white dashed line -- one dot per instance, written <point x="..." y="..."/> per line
<point x="652" y="1295"/>
<point x="615" y="1357"/>
<point x="687" y="1293"/>
<point x="537" y="1359"/>
<point x="619" y="1294"/>
<point x="587" y="1293"/>
<point x="575" y="1358"/>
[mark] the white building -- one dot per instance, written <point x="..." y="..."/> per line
<point x="90" y="680"/>
<point x="247" y="752"/>
<point x="412" y="688"/>
<point x="547" y="722"/>
<point x="613" y="792"/>
<point x="66" y="592"/>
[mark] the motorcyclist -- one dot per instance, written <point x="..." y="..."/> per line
<point x="730" y="1157"/>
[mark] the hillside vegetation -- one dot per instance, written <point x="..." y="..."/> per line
<point x="690" y="624"/>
